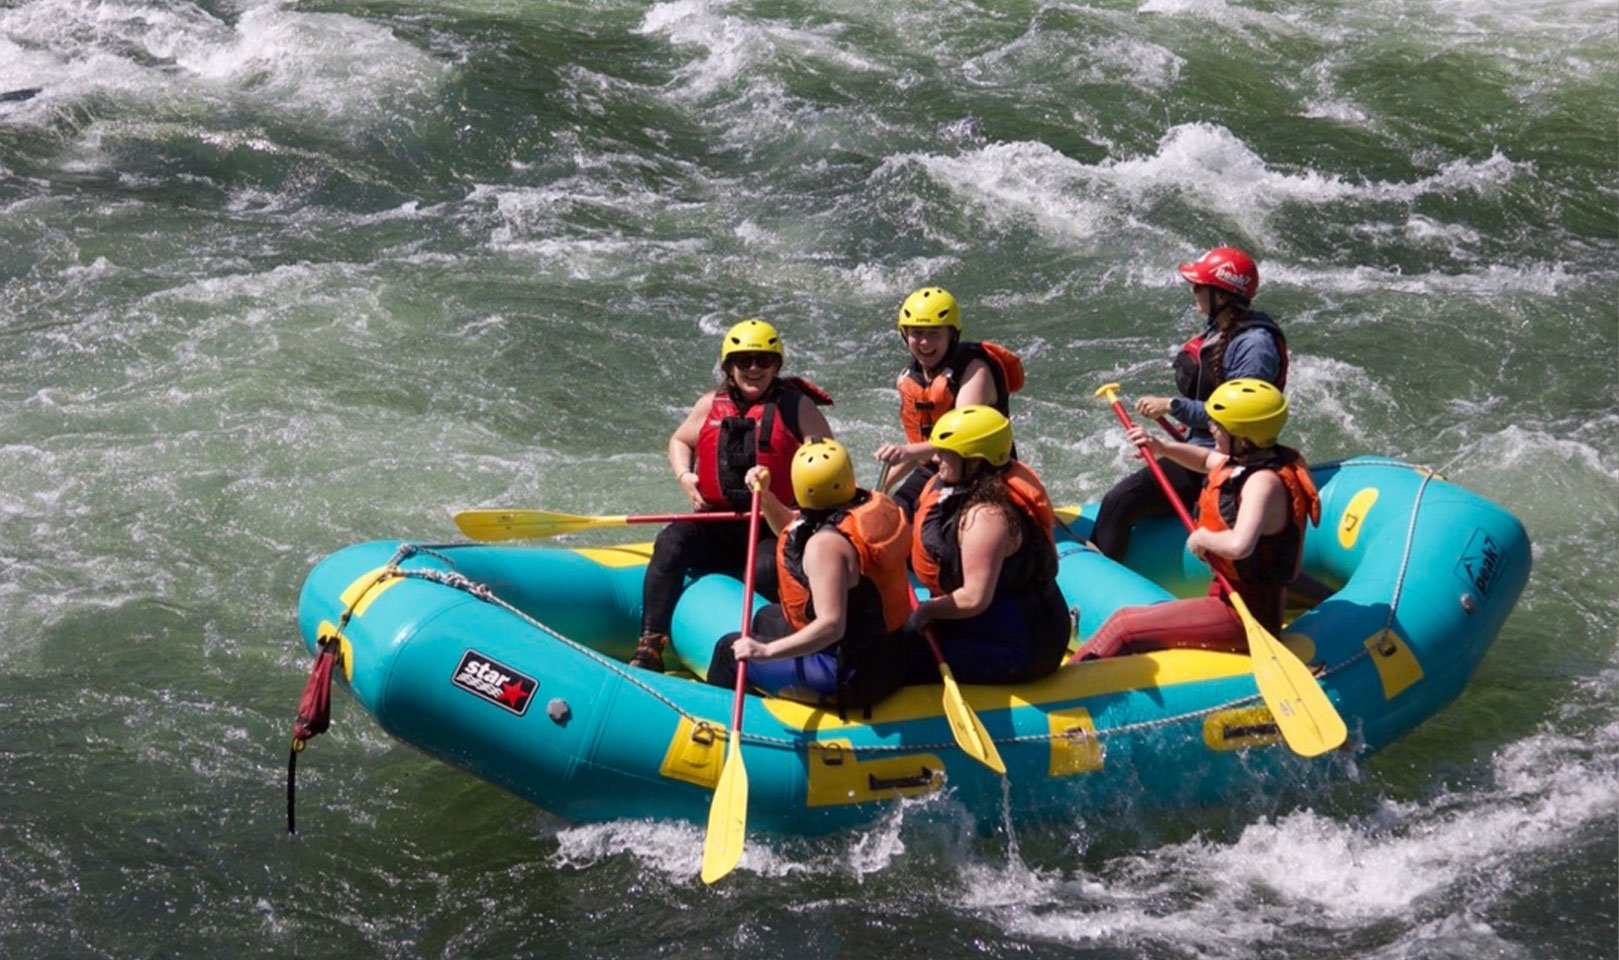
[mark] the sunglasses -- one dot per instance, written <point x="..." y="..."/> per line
<point x="763" y="361"/>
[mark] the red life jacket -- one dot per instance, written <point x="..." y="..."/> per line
<point x="877" y="529"/>
<point x="1262" y="576"/>
<point x="936" y="534"/>
<point x="1194" y="372"/>
<point x="922" y="401"/>
<point x="738" y="436"/>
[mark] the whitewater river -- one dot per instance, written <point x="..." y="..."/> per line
<point x="280" y="276"/>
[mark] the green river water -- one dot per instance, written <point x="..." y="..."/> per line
<point x="276" y="277"/>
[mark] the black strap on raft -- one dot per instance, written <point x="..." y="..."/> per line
<point x="314" y="714"/>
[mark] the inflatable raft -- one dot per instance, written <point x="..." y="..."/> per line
<point x="508" y="661"/>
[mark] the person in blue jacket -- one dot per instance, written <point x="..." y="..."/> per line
<point x="1238" y="342"/>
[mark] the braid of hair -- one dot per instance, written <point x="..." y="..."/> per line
<point x="1230" y="319"/>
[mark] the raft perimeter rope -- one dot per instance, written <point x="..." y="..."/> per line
<point x="484" y="592"/>
<point x="1429" y="474"/>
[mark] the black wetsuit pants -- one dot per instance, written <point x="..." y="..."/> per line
<point x="696" y="547"/>
<point x="1136" y="498"/>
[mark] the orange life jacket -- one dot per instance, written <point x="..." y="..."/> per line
<point x="877" y="529"/>
<point x="936" y="541"/>
<point x="1262" y="576"/>
<point x="922" y="401"/>
<point x="736" y="436"/>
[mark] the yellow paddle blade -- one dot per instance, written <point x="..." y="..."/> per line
<point x="966" y="727"/>
<point x="1308" y="721"/>
<point x="727" y="816"/>
<point x="527" y="524"/>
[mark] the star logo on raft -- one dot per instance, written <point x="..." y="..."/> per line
<point x="495" y="682"/>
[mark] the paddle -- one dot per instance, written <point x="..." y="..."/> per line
<point x="535" y="524"/>
<point x="1307" y="719"/>
<point x="728" y="813"/>
<point x="964" y="723"/>
<point x="1169" y="428"/>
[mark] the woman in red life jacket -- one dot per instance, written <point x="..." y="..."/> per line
<point x="1252" y="512"/>
<point x="753" y="417"/>
<point x="981" y="543"/>
<point x="1237" y="343"/>
<point x="945" y="372"/>
<point x="844" y="590"/>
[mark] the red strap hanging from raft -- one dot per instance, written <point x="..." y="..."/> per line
<point x="314" y="715"/>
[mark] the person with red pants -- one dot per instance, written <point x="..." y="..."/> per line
<point x="845" y="592"/>
<point x="1251" y="517"/>
<point x="945" y="372"/>
<point x="1238" y="342"/>
<point x="981" y="543"/>
<point x="752" y="417"/>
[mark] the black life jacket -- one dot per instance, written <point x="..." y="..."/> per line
<point x="1194" y="361"/>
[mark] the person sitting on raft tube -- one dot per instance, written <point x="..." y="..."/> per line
<point x="1237" y="343"/>
<point x="981" y="543"/>
<point x="1251" y="515"/>
<point x="752" y="417"/>
<point x="945" y="372"/>
<point x="845" y="592"/>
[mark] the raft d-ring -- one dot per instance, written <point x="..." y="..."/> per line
<point x="703" y="733"/>
<point x="832" y="754"/>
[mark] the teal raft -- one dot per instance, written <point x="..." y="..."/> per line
<point x="508" y="661"/>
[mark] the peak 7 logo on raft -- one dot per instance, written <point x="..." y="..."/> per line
<point x="1481" y="564"/>
<point x="495" y="682"/>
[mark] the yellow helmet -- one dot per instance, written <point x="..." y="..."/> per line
<point x="1251" y="409"/>
<point x="751" y="336"/>
<point x="974" y="431"/>
<point x="823" y="476"/>
<point x="929" y="307"/>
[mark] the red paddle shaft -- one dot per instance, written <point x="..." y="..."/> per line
<point x="747" y="610"/>
<point x="1163" y="481"/>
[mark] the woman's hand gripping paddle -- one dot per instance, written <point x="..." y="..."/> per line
<point x="1307" y="719"/>
<point x="968" y="730"/>
<point x="489" y="525"/>
<point x="728" y="813"/>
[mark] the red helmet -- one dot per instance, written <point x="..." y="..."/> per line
<point x="1227" y="268"/>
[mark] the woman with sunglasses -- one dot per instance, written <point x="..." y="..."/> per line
<point x="1238" y="342"/>
<point x="752" y="417"/>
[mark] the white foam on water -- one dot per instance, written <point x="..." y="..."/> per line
<point x="1208" y="166"/>
<point x="541" y="223"/>
<point x="674" y="849"/>
<point x="1078" y="57"/>
<point x="1502" y="20"/>
<point x="1220" y="12"/>
<point x="733" y="46"/>
<point x="1018" y="182"/>
<point x="1452" y="856"/>
<point x="1328" y="391"/>
<point x="895" y="280"/>
<point x="338" y="73"/>
<point x="1490" y="281"/>
<point x="1211" y="167"/>
<point x="671" y="849"/>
